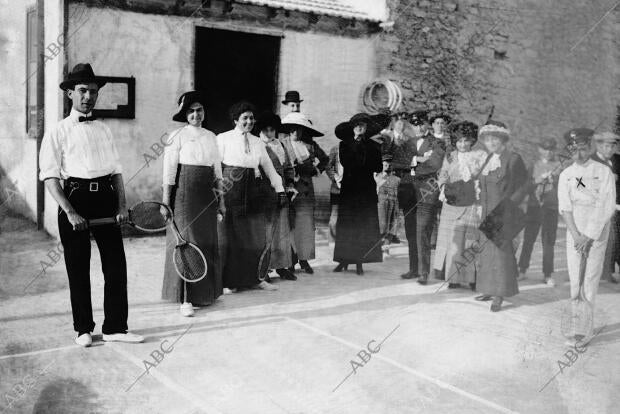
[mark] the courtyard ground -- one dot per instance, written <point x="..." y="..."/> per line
<point x="398" y="346"/>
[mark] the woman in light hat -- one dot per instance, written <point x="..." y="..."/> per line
<point x="459" y="220"/>
<point x="309" y="161"/>
<point x="192" y="169"/>
<point x="282" y="244"/>
<point x="358" y="238"/>
<point x="503" y="176"/>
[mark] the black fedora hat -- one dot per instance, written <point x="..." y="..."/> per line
<point x="185" y="101"/>
<point x="81" y="73"/>
<point x="291" y="96"/>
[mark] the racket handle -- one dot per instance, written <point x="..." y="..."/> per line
<point x="102" y="221"/>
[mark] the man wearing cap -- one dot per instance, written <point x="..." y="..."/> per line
<point x="416" y="160"/>
<point x="439" y="122"/>
<point x="606" y="144"/>
<point x="80" y="151"/>
<point x="542" y="209"/>
<point x="292" y="101"/>
<point x="586" y="200"/>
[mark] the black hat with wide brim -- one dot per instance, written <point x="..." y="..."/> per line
<point x="185" y="101"/>
<point x="82" y="73"/>
<point x="268" y="119"/>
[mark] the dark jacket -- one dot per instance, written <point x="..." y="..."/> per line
<point x="422" y="187"/>
<point x="615" y="168"/>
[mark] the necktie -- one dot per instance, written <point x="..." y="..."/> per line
<point x="247" y="142"/>
<point x="87" y="118"/>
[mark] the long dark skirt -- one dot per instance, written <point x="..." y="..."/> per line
<point x="357" y="232"/>
<point x="195" y="210"/>
<point x="245" y="227"/>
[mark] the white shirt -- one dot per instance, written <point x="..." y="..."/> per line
<point x="78" y="149"/>
<point x="232" y="146"/>
<point x="589" y="192"/>
<point x="192" y="146"/>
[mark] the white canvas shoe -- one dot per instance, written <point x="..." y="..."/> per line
<point x="266" y="286"/>
<point x="186" y="309"/>
<point x="84" y="340"/>
<point x="227" y="291"/>
<point x="549" y="281"/>
<point x="123" y="337"/>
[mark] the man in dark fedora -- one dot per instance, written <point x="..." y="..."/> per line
<point x="292" y="101"/>
<point x="80" y="151"/>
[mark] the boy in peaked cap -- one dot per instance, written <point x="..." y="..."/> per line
<point x="587" y="201"/>
<point x="387" y="191"/>
<point x="542" y="209"/>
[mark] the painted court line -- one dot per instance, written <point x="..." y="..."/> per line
<point x="170" y="332"/>
<point x="405" y="368"/>
<point x="190" y="396"/>
<point x="39" y="352"/>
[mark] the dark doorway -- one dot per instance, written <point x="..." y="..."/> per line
<point x="231" y="66"/>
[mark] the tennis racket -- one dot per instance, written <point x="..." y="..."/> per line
<point x="265" y="256"/>
<point x="145" y="215"/>
<point x="189" y="261"/>
<point x="577" y="318"/>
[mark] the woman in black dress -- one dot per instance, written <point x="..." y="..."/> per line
<point x="357" y="230"/>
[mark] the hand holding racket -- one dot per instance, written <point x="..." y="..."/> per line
<point x="148" y="216"/>
<point x="577" y="317"/>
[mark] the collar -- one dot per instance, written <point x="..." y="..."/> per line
<point x="600" y="157"/>
<point x="74" y="115"/>
<point x="240" y="132"/>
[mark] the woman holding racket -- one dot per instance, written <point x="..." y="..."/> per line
<point x="587" y="201"/>
<point x="279" y="234"/>
<point x="192" y="170"/>
<point x="242" y="155"/>
<point x="309" y="161"/>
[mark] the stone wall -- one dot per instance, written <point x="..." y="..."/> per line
<point x="545" y="66"/>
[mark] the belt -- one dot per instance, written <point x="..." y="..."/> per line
<point x="90" y="184"/>
<point x="401" y="172"/>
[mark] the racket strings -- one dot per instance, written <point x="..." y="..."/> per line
<point x="577" y="319"/>
<point x="148" y="216"/>
<point x="190" y="262"/>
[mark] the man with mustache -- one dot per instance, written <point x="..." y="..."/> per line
<point x="80" y="151"/>
<point x="416" y="158"/>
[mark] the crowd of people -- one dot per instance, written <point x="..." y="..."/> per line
<point x="457" y="185"/>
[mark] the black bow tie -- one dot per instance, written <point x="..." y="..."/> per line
<point x="87" y="118"/>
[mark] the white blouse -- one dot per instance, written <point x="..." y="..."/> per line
<point x="235" y="152"/>
<point x="192" y="146"/>
<point x="78" y="149"/>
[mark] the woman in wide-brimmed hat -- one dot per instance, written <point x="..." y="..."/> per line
<point x="282" y="243"/>
<point x="245" y="165"/>
<point x="191" y="169"/>
<point x="357" y="230"/>
<point x="503" y="176"/>
<point x="459" y="220"/>
<point x="309" y="161"/>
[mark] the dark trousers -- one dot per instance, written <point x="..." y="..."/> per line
<point x="419" y="223"/>
<point x="612" y="253"/>
<point x="537" y="218"/>
<point x="76" y="245"/>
